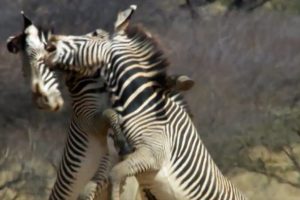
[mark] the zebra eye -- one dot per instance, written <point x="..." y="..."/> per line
<point x="50" y="48"/>
<point x="94" y="33"/>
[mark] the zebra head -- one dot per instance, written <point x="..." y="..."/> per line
<point x="31" y="44"/>
<point x="69" y="52"/>
<point x="85" y="53"/>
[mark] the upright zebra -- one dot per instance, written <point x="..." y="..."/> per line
<point x="85" y="153"/>
<point x="88" y="99"/>
<point x="169" y="158"/>
<point x="43" y="82"/>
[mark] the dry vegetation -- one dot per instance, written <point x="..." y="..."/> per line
<point x="246" y="101"/>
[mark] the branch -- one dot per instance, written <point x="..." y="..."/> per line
<point x="191" y="8"/>
<point x="258" y="4"/>
<point x="4" y="157"/>
<point x="275" y="176"/>
<point x="260" y="167"/>
<point x="266" y="172"/>
<point x="291" y="155"/>
<point x="297" y="131"/>
<point x="53" y="165"/>
<point x="241" y="5"/>
<point x="16" y="197"/>
<point x="235" y="4"/>
<point x="11" y="182"/>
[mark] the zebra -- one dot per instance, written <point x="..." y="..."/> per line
<point x="46" y="93"/>
<point x="32" y="43"/>
<point x="169" y="157"/>
<point x="88" y="85"/>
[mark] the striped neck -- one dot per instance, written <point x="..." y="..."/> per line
<point x="82" y="54"/>
<point x="87" y="94"/>
<point x="135" y="73"/>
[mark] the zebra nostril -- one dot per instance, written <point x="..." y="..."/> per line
<point x="50" y="48"/>
<point x="37" y="88"/>
<point x="46" y="99"/>
<point x="56" y="108"/>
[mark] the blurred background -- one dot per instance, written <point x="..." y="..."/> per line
<point x="243" y="55"/>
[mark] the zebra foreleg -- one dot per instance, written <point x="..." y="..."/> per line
<point x="97" y="188"/>
<point x="79" y="163"/>
<point x="120" y="141"/>
<point x="141" y="160"/>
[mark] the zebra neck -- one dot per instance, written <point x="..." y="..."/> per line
<point x="135" y="73"/>
<point x="130" y="93"/>
<point x="151" y="118"/>
<point x="88" y="97"/>
<point x="150" y="110"/>
<point x="96" y="52"/>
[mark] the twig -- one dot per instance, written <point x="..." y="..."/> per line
<point x="30" y="139"/>
<point x="241" y="5"/>
<point x="291" y="155"/>
<point x="275" y="176"/>
<point x="264" y="171"/>
<point x="11" y="182"/>
<point x="297" y="131"/>
<point x="191" y="8"/>
<point x="261" y="168"/>
<point x="258" y="4"/>
<point x="4" y="157"/>
<point x="53" y="164"/>
<point x="16" y="197"/>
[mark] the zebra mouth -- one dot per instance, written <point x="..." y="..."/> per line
<point x="47" y="103"/>
<point x="57" y="108"/>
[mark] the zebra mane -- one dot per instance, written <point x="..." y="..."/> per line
<point x="157" y="60"/>
<point x="44" y="32"/>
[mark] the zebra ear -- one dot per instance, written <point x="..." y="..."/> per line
<point x="124" y="17"/>
<point x="14" y="43"/>
<point x="27" y="21"/>
<point x="49" y="33"/>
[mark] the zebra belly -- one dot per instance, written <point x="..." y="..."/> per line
<point x="162" y="184"/>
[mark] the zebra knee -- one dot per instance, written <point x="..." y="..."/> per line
<point x="89" y="191"/>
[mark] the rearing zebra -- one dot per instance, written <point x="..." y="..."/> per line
<point x="169" y="158"/>
<point x="85" y="153"/>
<point x="88" y="98"/>
<point x="43" y="82"/>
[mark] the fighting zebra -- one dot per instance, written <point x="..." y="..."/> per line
<point x="44" y="86"/>
<point x="169" y="157"/>
<point x="85" y="153"/>
<point x="87" y="133"/>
